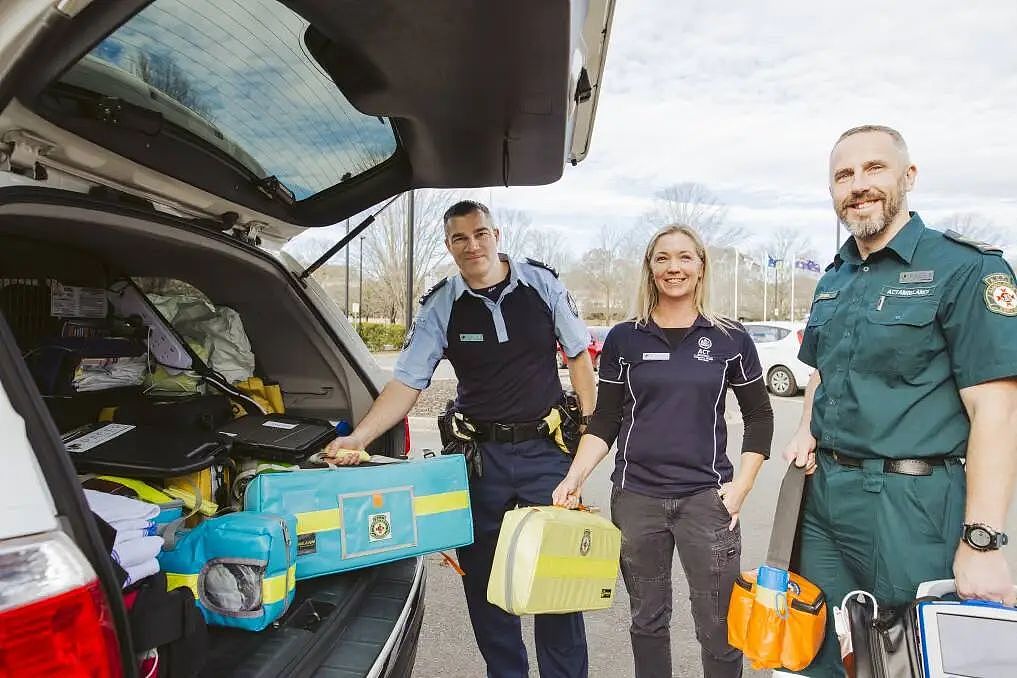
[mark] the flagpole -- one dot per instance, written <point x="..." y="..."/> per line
<point x="791" y="308"/>
<point x="737" y="257"/>
<point x="765" y="266"/>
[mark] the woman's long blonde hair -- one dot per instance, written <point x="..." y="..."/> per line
<point x="647" y="296"/>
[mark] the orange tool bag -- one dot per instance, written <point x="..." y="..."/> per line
<point x="777" y="618"/>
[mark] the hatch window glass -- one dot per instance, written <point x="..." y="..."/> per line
<point x="237" y="74"/>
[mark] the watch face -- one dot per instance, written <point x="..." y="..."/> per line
<point x="979" y="537"/>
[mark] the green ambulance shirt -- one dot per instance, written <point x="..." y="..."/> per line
<point x="896" y="336"/>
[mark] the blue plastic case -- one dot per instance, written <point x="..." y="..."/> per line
<point x="354" y="517"/>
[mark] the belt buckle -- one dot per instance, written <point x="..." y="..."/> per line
<point x="502" y="433"/>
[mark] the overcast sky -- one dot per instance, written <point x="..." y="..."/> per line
<point x="748" y="97"/>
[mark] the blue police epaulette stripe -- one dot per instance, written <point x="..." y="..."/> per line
<point x="541" y="264"/>
<point x="437" y="286"/>
<point x="983" y="247"/>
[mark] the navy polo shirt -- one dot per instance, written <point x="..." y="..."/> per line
<point x="502" y="349"/>
<point x="673" y="438"/>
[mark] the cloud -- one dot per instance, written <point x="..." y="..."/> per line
<point x="747" y="98"/>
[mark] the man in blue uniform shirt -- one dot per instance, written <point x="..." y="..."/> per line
<point x="498" y="322"/>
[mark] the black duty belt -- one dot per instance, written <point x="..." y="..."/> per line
<point x="495" y="432"/>
<point x="907" y="467"/>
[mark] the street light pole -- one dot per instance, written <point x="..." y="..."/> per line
<point x="346" y="302"/>
<point x="360" y="286"/>
<point x="409" y="259"/>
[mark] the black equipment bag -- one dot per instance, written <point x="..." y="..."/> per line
<point x="276" y="437"/>
<point x="138" y="451"/>
<point x="170" y="622"/>
<point x="191" y="413"/>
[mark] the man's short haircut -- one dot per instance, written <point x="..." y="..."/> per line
<point x="464" y="208"/>
<point x="898" y="140"/>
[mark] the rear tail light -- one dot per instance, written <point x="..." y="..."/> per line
<point x="406" y="436"/>
<point x="800" y="334"/>
<point x="54" y="619"/>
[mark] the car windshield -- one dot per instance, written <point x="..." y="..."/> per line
<point x="238" y="74"/>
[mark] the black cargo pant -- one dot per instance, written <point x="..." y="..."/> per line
<point x="710" y="554"/>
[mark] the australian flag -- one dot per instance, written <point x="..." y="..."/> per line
<point x="771" y="262"/>
<point x="808" y="265"/>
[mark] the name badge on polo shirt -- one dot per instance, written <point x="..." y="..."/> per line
<point x="656" y="356"/>
<point x="471" y="337"/>
<point x="916" y="277"/>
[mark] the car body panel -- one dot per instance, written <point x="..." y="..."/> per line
<point x="782" y="352"/>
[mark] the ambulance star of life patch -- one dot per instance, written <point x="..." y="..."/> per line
<point x="1000" y="294"/>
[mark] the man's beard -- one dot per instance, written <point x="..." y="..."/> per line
<point x="863" y="229"/>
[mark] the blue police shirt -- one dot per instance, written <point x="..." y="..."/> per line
<point x="502" y="351"/>
<point x="673" y="438"/>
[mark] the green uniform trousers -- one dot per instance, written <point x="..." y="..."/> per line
<point x="880" y="532"/>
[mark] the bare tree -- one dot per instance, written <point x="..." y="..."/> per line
<point x="549" y="245"/>
<point x="385" y="246"/>
<point x="603" y="274"/>
<point x="694" y="205"/>
<point x="162" y="73"/>
<point x="978" y="227"/>
<point x="786" y="246"/>
<point x="516" y="229"/>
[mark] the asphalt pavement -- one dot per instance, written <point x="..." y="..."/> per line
<point x="447" y="648"/>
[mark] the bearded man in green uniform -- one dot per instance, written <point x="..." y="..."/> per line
<point x="910" y="418"/>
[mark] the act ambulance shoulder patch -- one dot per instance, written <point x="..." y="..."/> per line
<point x="1000" y="294"/>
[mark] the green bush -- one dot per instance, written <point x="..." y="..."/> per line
<point x="382" y="336"/>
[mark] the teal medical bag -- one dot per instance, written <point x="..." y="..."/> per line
<point x="353" y="517"/>
<point x="241" y="567"/>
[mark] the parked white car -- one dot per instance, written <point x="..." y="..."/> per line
<point x="778" y="343"/>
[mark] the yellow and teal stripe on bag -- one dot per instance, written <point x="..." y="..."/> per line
<point x="273" y="589"/>
<point x="331" y="519"/>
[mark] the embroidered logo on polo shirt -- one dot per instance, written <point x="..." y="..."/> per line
<point x="703" y="354"/>
<point x="1000" y="294"/>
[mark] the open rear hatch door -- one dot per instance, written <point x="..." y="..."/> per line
<point x="296" y="114"/>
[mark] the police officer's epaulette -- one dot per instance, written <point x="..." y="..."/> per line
<point x="830" y="265"/>
<point x="429" y="293"/>
<point x="541" y="264"/>
<point x="983" y="247"/>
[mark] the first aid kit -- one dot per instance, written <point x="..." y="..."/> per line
<point x="240" y="566"/>
<point x="553" y="560"/>
<point x="354" y="517"/>
<point x="777" y="618"/>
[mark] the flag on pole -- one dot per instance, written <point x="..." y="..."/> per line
<point x="808" y="265"/>
<point x="771" y="262"/>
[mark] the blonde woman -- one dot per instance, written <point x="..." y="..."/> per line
<point x="663" y="380"/>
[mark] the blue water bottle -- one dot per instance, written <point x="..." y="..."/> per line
<point x="343" y="428"/>
<point x="771" y="588"/>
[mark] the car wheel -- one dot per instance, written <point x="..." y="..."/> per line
<point x="559" y="361"/>
<point x="781" y="382"/>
